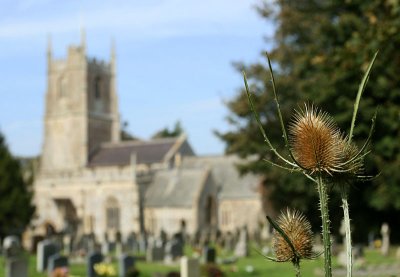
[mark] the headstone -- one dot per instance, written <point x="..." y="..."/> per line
<point x="163" y="237"/>
<point x="118" y="249"/>
<point x="45" y="249"/>
<point x="398" y="254"/>
<point x="173" y="250"/>
<point x="142" y="243"/>
<point x="155" y="253"/>
<point x="242" y="249"/>
<point x="176" y="249"/>
<point x="126" y="265"/>
<point x="229" y="242"/>
<point x="67" y="244"/>
<point x="105" y="248"/>
<point x="93" y="259"/>
<point x="16" y="267"/>
<point x="11" y="246"/>
<point x="190" y="267"/>
<point x="209" y="254"/>
<point x="56" y="261"/>
<point x="385" y="232"/>
<point x="371" y="239"/>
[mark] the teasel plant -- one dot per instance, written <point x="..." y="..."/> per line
<point x="322" y="153"/>
<point x="292" y="239"/>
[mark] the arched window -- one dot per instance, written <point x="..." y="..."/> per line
<point x="112" y="214"/>
<point x="97" y="87"/>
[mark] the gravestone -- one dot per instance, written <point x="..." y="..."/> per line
<point x="155" y="253"/>
<point x="242" y="248"/>
<point x="190" y="267"/>
<point x="106" y="248"/>
<point x="229" y="243"/>
<point x="118" y="248"/>
<point x="163" y="237"/>
<point x="126" y="264"/>
<point x="16" y="267"/>
<point x="209" y="254"/>
<point x="56" y="261"/>
<point x="67" y="244"/>
<point x="131" y="242"/>
<point x="142" y="243"/>
<point x="11" y="246"/>
<point x="385" y="232"/>
<point x="398" y="254"/>
<point x="93" y="258"/>
<point x="173" y="250"/>
<point x="46" y="248"/>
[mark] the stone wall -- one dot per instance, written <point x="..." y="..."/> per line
<point x="236" y="213"/>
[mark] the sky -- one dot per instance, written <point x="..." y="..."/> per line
<point x="174" y="62"/>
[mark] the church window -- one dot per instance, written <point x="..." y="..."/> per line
<point x="112" y="214"/>
<point x="97" y="87"/>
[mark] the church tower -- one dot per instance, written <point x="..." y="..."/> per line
<point x="81" y="108"/>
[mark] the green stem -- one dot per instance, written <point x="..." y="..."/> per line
<point x="346" y="216"/>
<point x="323" y="201"/>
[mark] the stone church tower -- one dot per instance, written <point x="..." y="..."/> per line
<point x="81" y="108"/>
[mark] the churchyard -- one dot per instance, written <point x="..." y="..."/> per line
<point x="230" y="255"/>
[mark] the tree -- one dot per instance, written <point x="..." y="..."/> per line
<point x="166" y="133"/>
<point x="321" y="50"/>
<point x="16" y="209"/>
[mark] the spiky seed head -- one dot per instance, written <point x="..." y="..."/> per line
<point x="351" y="165"/>
<point x="298" y="229"/>
<point x="315" y="140"/>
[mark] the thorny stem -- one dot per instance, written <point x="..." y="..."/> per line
<point x="346" y="216"/>
<point x="323" y="198"/>
<point x="296" y="265"/>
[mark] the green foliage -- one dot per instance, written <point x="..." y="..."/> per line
<point x="321" y="51"/>
<point x="16" y="209"/>
<point x="166" y="133"/>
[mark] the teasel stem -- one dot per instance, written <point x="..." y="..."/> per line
<point x="323" y="201"/>
<point x="346" y="217"/>
<point x="296" y="265"/>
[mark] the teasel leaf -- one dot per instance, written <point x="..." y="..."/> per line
<point x="361" y="89"/>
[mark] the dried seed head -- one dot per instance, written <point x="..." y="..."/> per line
<point x="315" y="140"/>
<point x="351" y="165"/>
<point x="298" y="229"/>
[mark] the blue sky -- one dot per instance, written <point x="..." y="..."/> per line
<point x="174" y="61"/>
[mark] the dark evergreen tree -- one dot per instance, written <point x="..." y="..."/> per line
<point x="16" y="209"/>
<point x="321" y="50"/>
<point x="167" y="133"/>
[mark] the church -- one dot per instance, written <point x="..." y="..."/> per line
<point x="91" y="182"/>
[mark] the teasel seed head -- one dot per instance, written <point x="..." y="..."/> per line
<point x="298" y="229"/>
<point x="315" y="141"/>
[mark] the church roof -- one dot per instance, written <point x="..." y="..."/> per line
<point x="147" y="152"/>
<point x="225" y="175"/>
<point x="176" y="188"/>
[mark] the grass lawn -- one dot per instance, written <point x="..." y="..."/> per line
<point x="260" y="266"/>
